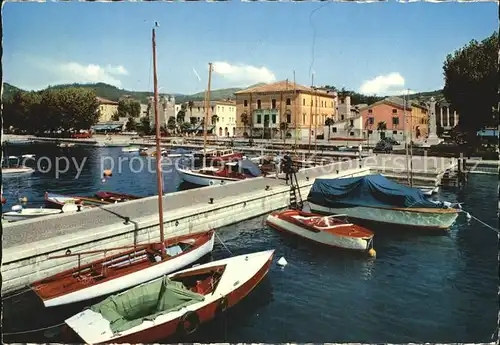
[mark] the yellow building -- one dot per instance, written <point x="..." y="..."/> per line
<point x="260" y="110"/>
<point x="106" y="109"/>
<point x="419" y="122"/>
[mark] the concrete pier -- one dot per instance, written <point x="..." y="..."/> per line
<point x="28" y="245"/>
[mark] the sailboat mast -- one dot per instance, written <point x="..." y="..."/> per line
<point x="295" y="111"/>
<point x="405" y="128"/>
<point x="158" y="152"/>
<point x="310" y="112"/>
<point x="207" y="107"/>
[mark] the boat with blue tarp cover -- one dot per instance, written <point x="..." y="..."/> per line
<point x="374" y="198"/>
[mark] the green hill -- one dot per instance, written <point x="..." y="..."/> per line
<point x="113" y="93"/>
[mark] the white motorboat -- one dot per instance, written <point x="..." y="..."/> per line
<point x="18" y="213"/>
<point x="130" y="149"/>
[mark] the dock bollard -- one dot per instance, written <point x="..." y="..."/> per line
<point x="267" y="187"/>
<point x="211" y="201"/>
<point x="127" y="219"/>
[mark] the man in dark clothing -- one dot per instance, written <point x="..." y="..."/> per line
<point x="287" y="167"/>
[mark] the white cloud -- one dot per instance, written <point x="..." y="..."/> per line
<point x="243" y="74"/>
<point x="74" y="72"/>
<point x="391" y="83"/>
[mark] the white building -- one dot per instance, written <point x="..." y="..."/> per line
<point x="166" y="108"/>
<point x="223" y="116"/>
<point x="348" y="122"/>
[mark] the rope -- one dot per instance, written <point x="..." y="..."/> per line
<point x="223" y="244"/>
<point x="17" y="294"/>
<point x="480" y="221"/>
<point x="34" y="330"/>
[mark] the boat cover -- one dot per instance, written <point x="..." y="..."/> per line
<point x="248" y="167"/>
<point x="369" y="191"/>
<point x="145" y="302"/>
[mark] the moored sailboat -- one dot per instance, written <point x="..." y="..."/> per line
<point x="134" y="264"/>
<point x="174" y="304"/>
<point x="374" y="198"/>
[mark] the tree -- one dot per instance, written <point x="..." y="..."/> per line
<point x="172" y="124"/>
<point x="244" y="120"/>
<point x="381" y="128"/>
<point x="192" y="120"/>
<point x="471" y="84"/>
<point x="128" y="107"/>
<point x="181" y="115"/>
<point x="215" y="118"/>
<point x="145" y="126"/>
<point x="185" y="126"/>
<point x="190" y="106"/>
<point x="329" y="122"/>
<point x="115" y="116"/>
<point x="131" y="124"/>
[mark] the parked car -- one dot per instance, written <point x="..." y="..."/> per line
<point x="383" y="146"/>
<point x="390" y="141"/>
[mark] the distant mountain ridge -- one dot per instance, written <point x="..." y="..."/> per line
<point x="114" y="94"/>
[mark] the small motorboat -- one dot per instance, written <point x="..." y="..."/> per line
<point x="115" y="197"/>
<point x="15" y="169"/>
<point x="329" y="230"/>
<point x="216" y="156"/>
<point x="130" y="149"/>
<point x="176" y="304"/>
<point x="53" y="200"/>
<point x="18" y="213"/>
<point x="178" y="153"/>
<point x="230" y="172"/>
<point x="128" y="268"/>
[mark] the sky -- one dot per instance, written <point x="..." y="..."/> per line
<point x="373" y="48"/>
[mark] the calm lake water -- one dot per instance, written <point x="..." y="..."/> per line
<point x="420" y="288"/>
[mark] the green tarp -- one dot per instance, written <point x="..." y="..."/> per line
<point x="145" y="302"/>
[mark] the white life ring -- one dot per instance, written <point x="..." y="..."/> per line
<point x="211" y="182"/>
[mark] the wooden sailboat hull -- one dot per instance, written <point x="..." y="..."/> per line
<point x="69" y="287"/>
<point x="430" y="218"/>
<point x="241" y="274"/>
<point x="194" y="177"/>
<point x="340" y="235"/>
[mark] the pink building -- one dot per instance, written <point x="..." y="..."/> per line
<point x="389" y="111"/>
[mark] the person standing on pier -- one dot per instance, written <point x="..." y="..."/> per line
<point x="287" y="166"/>
<point x="277" y="162"/>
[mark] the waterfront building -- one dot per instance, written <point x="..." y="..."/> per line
<point x="107" y="109"/>
<point x="166" y="109"/>
<point x="446" y="117"/>
<point x="348" y="122"/>
<point x="222" y="121"/>
<point x="386" y="117"/>
<point x="293" y="109"/>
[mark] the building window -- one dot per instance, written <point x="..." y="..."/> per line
<point x="273" y="117"/>
<point x="258" y="104"/>
<point x="351" y="123"/>
<point x="341" y="117"/>
<point x="371" y="120"/>
<point x="351" y="134"/>
<point x="394" y="111"/>
<point x="303" y="101"/>
<point x="332" y="104"/>
<point x="288" y="118"/>
<point x="288" y="101"/>
<point x="370" y="111"/>
<point x="212" y="108"/>
<point x="273" y="103"/>
<point x="304" y="118"/>
<point x="341" y="101"/>
<point x="370" y="131"/>
<point x="222" y="109"/>
<point x="334" y="129"/>
<point x="395" y="121"/>
<point x="245" y="103"/>
<point x="394" y="132"/>
<point x="259" y="118"/>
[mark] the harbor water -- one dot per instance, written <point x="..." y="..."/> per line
<point x="419" y="288"/>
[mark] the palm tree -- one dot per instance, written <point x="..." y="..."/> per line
<point x="381" y="127"/>
<point x="329" y="122"/>
<point x="190" y="106"/>
<point x="244" y="120"/>
<point x="215" y="118"/>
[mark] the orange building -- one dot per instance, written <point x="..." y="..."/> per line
<point x="264" y="110"/>
<point x="386" y="118"/>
